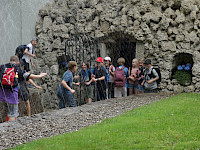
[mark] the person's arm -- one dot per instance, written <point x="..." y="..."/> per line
<point x="27" y="53"/>
<point x="75" y="83"/>
<point x="154" y="79"/>
<point x="33" y="76"/>
<point x="67" y="87"/>
<point x="150" y="81"/>
<point x="33" y="83"/>
<point x="77" y="77"/>
<point x="143" y="82"/>
<point x="112" y="71"/>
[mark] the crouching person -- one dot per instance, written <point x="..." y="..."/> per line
<point x="150" y="77"/>
<point x="10" y="74"/>
<point x="65" y="91"/>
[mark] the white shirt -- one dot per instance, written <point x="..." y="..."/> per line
<point x="27" y="57"/>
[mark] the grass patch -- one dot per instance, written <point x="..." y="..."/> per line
<point x="173" y="123"/>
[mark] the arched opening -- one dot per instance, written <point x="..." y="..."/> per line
<point x="182" y="69"/>
<point x="120" y="45"/>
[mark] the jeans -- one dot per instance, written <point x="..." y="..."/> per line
<point x="66" y="99"/>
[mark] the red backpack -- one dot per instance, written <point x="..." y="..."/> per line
<point x="8" y="77"/>
<point x="119" y="77"/>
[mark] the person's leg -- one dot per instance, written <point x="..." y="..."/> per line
<point x="130" y="91"/>
<point x="124" y="91"/>
<point x="112" y="90"/>
<point x="90" y="93"/>
<point x="28" y="107"/>
<point x="23" y="94"/>
<point x="69" y="97"/>
<point x="61" y="103"/>
<point x="118" y="92"/>
<point x="12" y="112"/>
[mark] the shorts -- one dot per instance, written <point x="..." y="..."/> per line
<point x="88" y="91"/>
<point x="13" y="110"/>
<point x="140" y="88"/>
<point x="133" y="86"/>
<point x="23" y="92"/>
<point x="25" y="64"/>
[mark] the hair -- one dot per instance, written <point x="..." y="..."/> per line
<point x="137" y="62"/>
<point x="121" y="61"/>
<point x="71" y="65"/>
<point x="14" y="59"/>
<point x="87" y="64"/>
<point x="141" y="60"/>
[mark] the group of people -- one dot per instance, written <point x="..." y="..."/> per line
<point x="15" y="77"/>
<point x="104" y="80"/>
<point x="107" y="81"/>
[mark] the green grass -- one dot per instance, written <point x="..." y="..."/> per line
<point x="173" y="123"/>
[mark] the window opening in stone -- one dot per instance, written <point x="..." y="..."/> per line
<point x="182" y="70"/>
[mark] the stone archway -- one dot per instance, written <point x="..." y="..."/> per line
<point x="161" y="28"/>
<point x="118" y="45"/>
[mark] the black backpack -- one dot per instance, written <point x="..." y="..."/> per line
<point x="151" y="75"/>
<point x="20" y="51"/>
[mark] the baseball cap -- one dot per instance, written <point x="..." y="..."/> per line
<point x="99" y="59"/>
<point x="147" y="61"/>
<point x="107" y="58"/>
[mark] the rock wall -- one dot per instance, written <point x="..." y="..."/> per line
<point x="166" y="27"/>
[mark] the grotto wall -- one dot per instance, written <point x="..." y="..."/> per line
<point x="165" y="27"/>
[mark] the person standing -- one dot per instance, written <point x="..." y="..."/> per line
<point x="9" y="93"/>
<point x="134" y="77"/>
<point x="65" y="91"/>
<point x="28" y="55"/>
<point x="86" y="82"/>
<point x="120" y="79"/>
<point x="110" y="70"/>
<point x="100" y="79"/>
<point x="150" y="77"/>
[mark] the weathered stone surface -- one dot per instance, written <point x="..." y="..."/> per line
<point x="167" y="28"/>
<point x="189" y="89"/>
<point x="178" y="89"/>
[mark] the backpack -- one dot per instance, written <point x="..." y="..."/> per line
<point x="151" y="75"/>
<point x="119" y="79"/>
<point x="8" y="76"/>
<point x="20" y="51"/>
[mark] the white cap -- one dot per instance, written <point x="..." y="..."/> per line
<point x="107" y="58"/>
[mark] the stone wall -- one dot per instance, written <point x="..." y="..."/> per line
<point x="165" y="27"/>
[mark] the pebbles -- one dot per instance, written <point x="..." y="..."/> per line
<point x="47" y="124"/>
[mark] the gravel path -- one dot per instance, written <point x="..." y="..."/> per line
<point x="57" y="122"/>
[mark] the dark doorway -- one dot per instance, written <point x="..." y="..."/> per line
<point x="121" y="46"/>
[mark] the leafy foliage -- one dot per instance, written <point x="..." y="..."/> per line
<point x="183" y="77"/>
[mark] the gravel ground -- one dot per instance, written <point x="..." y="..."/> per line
<point x="47" y="124"/>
